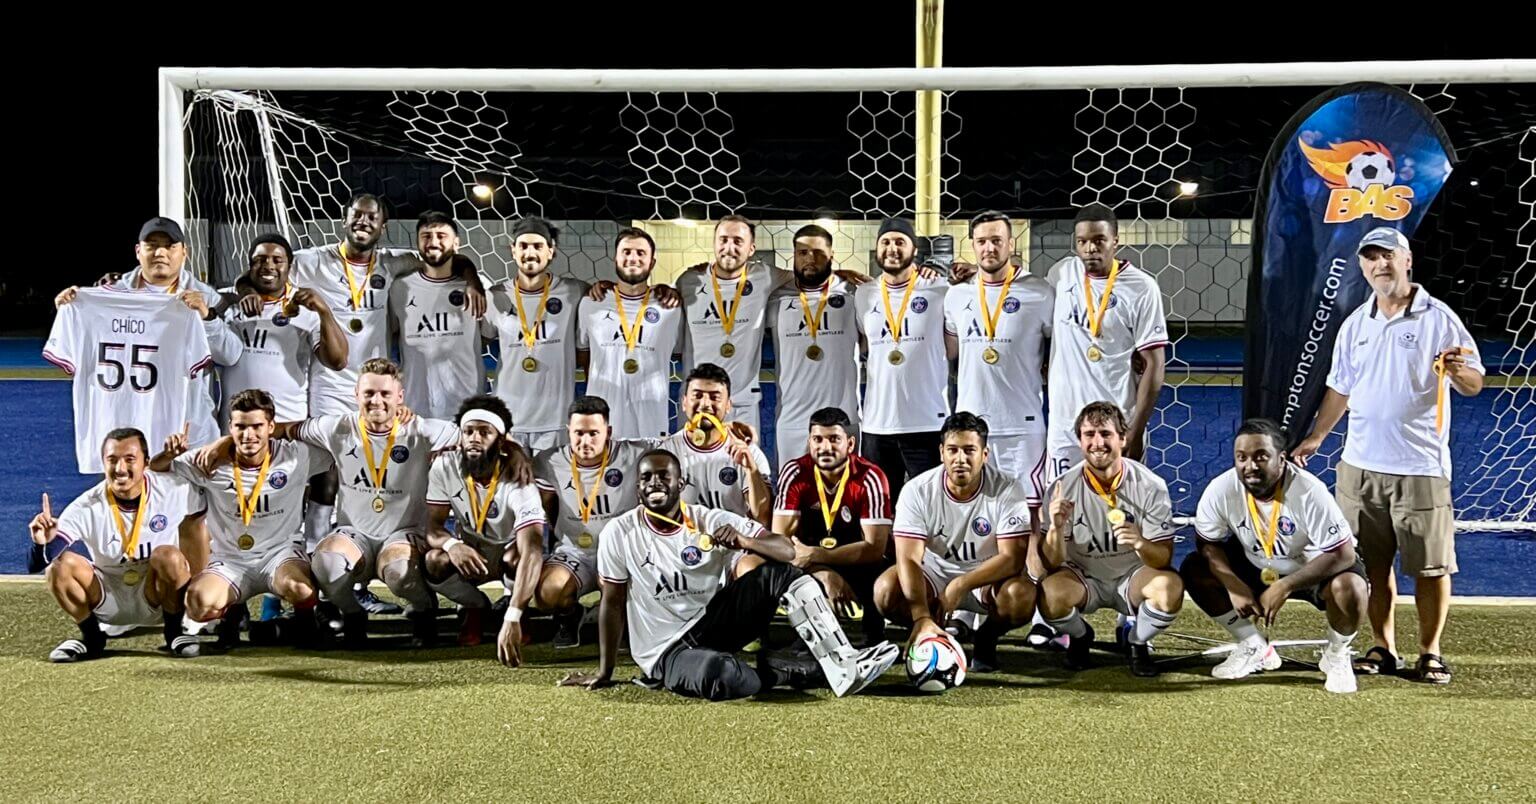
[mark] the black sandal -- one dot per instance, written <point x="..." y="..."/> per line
<point x="1378" y="661"/>
<point x="1439" y="675"/>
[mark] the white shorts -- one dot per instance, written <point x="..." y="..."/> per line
<point x="1059" y="457"/>
<point x="1021" y="457"/>
<point x="581" y="563"/>
<point x="1114" y="593"/>
<point x="938" y="578"/>
<point x="122" y="603"/>
<point x="371" y="546"/>
<point x="793" y="441"/>
<point x="537" y="442"/>
<point x="255" y="575"/>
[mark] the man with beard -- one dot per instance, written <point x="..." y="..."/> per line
<point x="901" y="319"/>
<point x="1292" y="542"/>
<point x="500" y="523"/>
<point x="666" y="569"/>
<point x="816" y="344"/>
<point x="440" y="351"/>
<point x="720" y="469"/>
<point x="533" y="314"/>
<point x="294" y="327"/>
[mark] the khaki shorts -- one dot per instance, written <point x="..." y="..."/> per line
<point x="1410" y="514"/>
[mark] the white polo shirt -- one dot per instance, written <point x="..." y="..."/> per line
<point x="1386" y="368"/>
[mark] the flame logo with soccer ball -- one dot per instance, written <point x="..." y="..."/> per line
<point x="1361" y="174"/>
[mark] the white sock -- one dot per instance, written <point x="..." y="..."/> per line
<point x="317" y="524"/>
<point x="1338" y="641"/>
<point x="1073" y="625"/>
<point x="1150" y="621"/>
<point x="1241" y="628"/>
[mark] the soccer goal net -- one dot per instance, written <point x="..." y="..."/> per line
<point x="1177" y="152"/>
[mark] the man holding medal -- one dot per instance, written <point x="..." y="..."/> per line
<point x="1108" y="318"/>
<point x="666" y="571"/>
<point x="441" y="358"/>
<point x="294" y="328"/>
<point x="835" y="507"/>
<point x="1293" y="542"/>
<point x="816" y="344"/>
<point x="533" y="314"/>
<point x="499" y="524"/>
<point x="113" y="556"/>
<point x="585" y="484"/>
<point x="627" y="341"/>
<point x="720" y="469"/>
<point x="255" y="494"/>
<point x="1110" y="543"/>
<point x="901" y="320"/>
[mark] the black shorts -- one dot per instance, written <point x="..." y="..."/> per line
<point x="1249" y="574"/>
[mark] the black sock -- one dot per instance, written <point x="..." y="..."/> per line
<point x="90" y="632"/>
<point x="172" y="625"/>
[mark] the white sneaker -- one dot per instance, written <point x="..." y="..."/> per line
<point x="1338" y="671"/>
<point x="1246" y="659"/>
<point x="860" y="670"/>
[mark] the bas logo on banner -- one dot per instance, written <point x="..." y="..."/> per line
<point x="1361" y="173"/>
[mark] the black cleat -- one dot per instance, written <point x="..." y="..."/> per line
<point x="789" y="669"/>
<point x="354" y="630"/>
<point x="984" y="649"/>
<point x="423" y="628"/>
<point x="1079" y="650"/>
<point x="568" y="630"/>
<point x="1142" y="665"/>
<point x="229" y="627"/>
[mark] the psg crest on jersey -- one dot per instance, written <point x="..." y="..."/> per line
<point x="613" y="477"/>
<point x="651" y="316"/>
<point x="692" y="555"/>
<point x="747" y="289"/>
<point x="158" y="523"/>
<point x="554" y="306"/>
<point x="919" y="304"/>
<point x="728" y="475"/>
<point x="1287" y="526"/>
<point x="495" y="509"/>
<point x="280" y="320"/>
<point x="981" y="526"/>
<point x="399" y="454"/>
<point x="277" y="479"/>
<point x="377" y="282"/>
<point x="1011" y="305"/>
<point x="837" y="302"/>
<point x="456" y="297"/>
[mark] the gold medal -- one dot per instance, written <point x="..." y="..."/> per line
<point x="813" y="352"/>
<point x="530" y="331"/>
<point x="1110" y="496"/>
<point x="631" y="365"/>
<point x="697" y="437"/>
<point x="828" y="543"/>
<point x="1095" y="354"/>
<point x="989" y="355"/>
<point x="727" y="314"/>
<point x="1116" y="517"/>
<point x="1269" y="575"/>
<point x="894" y="319"/>
<point x="631" y="332"/>
<point x="530" y="365"/>
<point x="478" y="512"/>
<point x="991" y="316"/>
<point x="705" y="543"/>
<point x="246" y="541"/>
<point x="356" y="325"/>
<point x="584" y="541"/>
<point x="585" y="500"/>
<point x="357" y="289"/>
<point x="727" y="349"/>
<point x="1267" y="536"/>
<point x="248" y="503"/>
<point x="377" y="471"/>
<point x="129" y="537"/>
<point x="829" y="511"/>
<point x="132" y="577"/>
<point x="1095" y="312"/>
<point x="378" y="505"/>
<point x="895" y="357"/>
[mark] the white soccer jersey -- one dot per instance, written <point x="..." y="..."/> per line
<point x="705" y="335"/>
<point x="1308" y="525"/>
<point x="671" y="580"/>
<point x="1133" y="321"/>
<point x="805" y="385"/>
<point x="406" y="464"/>
<point x="961" y="534"/>
<point x="610" y="489"/>
<point x="911" y="397"/>
<point x="279" y="514"/>
<point x="222" y="344"/>
<point x="640" y="401"/>
<point x="89" y="520"/>
<point x="321" y="269"/>
<point x="276" y="357"/>
<point x="712" y="478"/>
<point x="512" y="507"/>
<point x="134" y="356"/>
<point x="538" y="399"/>
<point x="440" y="357"/>
<point x="1006" y="394"/>
<point x="1142" y="495"/>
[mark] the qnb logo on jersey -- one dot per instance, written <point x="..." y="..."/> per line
<point x="158" y="523"/>
<point x="981" y="526"/>
<point x="1361" y="174"/>
<point x="1287" y="526"/>
<point x="435" y="322"/>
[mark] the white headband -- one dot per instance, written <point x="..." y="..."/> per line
<point x="483" y="415"/>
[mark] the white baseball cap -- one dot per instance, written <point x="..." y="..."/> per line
<point x="1385" y="237"/>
